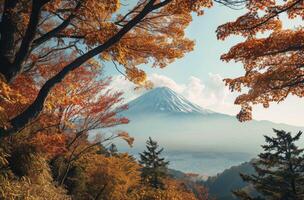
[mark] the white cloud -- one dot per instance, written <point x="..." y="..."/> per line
<point x="214" y="95"/>
<point x="210" y="94"/>
<point x="164" y="81"/>
<point x="195" y="88"/>
<point x="121" y="84"/>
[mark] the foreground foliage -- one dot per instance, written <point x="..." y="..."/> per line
<point x="53" y="157"/>
<point x="35" y="33"/>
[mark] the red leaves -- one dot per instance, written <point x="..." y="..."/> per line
<point x="50" y="144"/>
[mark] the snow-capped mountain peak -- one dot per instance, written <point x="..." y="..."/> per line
<point x="164" y="100"/>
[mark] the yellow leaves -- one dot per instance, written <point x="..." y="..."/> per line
<point x="173" y="191"/>
<point x="3" y="159"/>
<point x="136" y="75"/>
<point x="9" y="98"/>
<point x="159" y="39"/>
<point x="48" y="106"/>
<point x="115" y="175"/>
<point x="9" y="95"/>
<point x="188" y="6"/>
<point x="37" y="186"/>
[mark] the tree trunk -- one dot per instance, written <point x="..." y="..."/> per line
<point x="36" y="107"/>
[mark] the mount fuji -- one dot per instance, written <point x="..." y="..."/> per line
<point x="166" y="101"/>
<point x="195" y="139"/>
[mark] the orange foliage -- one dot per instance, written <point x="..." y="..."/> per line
<point x="41" y="40"/>
<point x="80" y="103"/>
<point x="110" y="178"/>
<point x="273" y="64"/>
<point x="50" y="145"/>
<point x="159" y="38"/>
<point x="175" y="190"/>
<point x="50" y="39"/>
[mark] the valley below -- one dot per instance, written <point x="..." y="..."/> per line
<point x="194" y="139"/>
<point x="204" y="163"/>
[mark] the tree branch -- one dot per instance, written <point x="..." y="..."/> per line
<point x="29" y="35"/>
<point x="8" y="31"/>
<point x="36" y="107"/>
<point x="58" y="29"/>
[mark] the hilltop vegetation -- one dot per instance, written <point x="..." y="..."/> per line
<point x="222" y="185"/>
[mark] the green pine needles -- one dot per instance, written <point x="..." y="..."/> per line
<point x="154" y="167"/>
<point x="279" y="170"/>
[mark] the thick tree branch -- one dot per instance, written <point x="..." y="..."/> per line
<point x="58" y="29"/>
<point x="70" y="36"/>
<point x="233" y="4"/>
<point x="29" y="35"/>
<point x="36" y="107"/>
<point x="8" y="36"/>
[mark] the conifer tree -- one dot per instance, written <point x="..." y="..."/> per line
<point x="154" y="167"/>
<point x="279" y="170"/>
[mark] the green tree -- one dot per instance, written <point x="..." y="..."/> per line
<point x="154" y="167"/>
<point x="280" y="170"/>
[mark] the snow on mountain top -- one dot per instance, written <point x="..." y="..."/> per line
<point x="164" y="100"/>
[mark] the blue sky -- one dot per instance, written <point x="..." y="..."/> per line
<point x="198" y="76"/>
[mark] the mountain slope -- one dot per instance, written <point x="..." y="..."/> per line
<point x="164" y="100"/>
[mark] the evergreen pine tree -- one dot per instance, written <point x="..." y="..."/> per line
<point x="154" y="167"/>
<point x="279" y="170"/>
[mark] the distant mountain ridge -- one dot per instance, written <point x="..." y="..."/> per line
<point x="164" y="100"/>
<point x="208" y="142"/>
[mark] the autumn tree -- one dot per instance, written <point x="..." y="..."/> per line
<point x="32" y="32"/>
<point x="279" y="170"/>
<point x="271" y="56"/>
<point x="175" y="190"/>
<point x="154" y="168"/>
<point x="25" y="174"/>
<point x="108" y="178"/>
<point x="81" y="103"/>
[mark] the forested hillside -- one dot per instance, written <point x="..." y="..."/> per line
<point x="222" y="185"/>
<point x="55" y="90"/>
